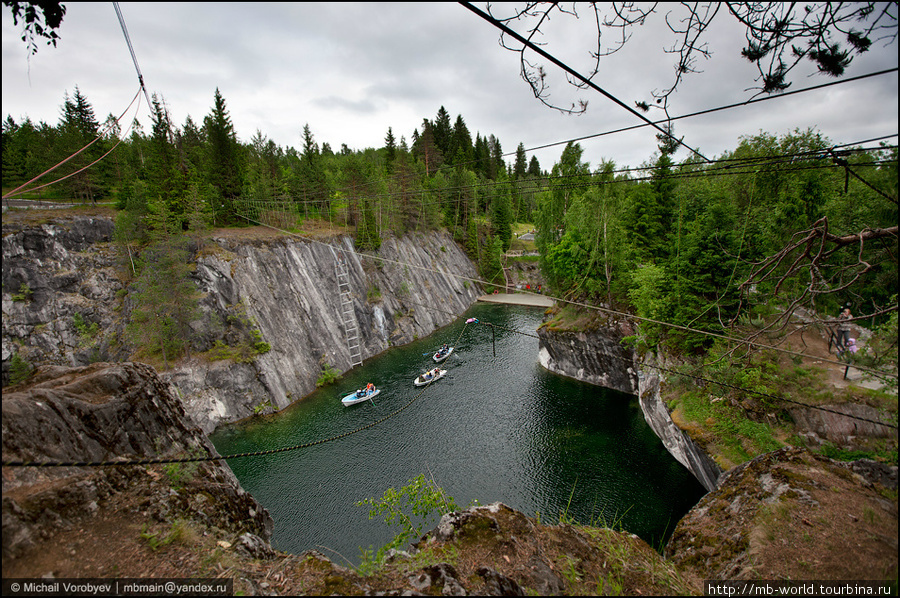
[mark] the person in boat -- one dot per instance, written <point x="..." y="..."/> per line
<point x="429" y="375"/>
<point x="360" y="393"/>
<point x="370" y="388"/>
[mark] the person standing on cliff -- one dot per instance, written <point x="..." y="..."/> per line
<point x="844" y="328"/>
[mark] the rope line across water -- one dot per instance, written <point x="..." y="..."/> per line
<point x="161" y="460"/>
<point x="723" y="384"/>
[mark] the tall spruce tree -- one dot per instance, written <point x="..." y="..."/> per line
<point x="443" y="133"/>
<point x="520" y="166"/>
<point x="78" y="128"/>
<point x="501" y="212"/>
<point x="390" y="151"/>
<point x="223" y="161"/>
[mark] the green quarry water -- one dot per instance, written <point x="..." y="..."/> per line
<point x="496" y="428"/>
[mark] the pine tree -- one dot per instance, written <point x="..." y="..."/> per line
<point x="223" y="161"/>
<point x="482" y="156"/>
<point x="390" y="153"/>
<point x="501" y="213"/>
<point x="311" y="175"/>
<point x="460" y="151"/>
<point x="426" y="150"/>
<point x="161" y="168"/>
<point x="496" y="164"/>
<point x="443" y="132"/>
<point x="78" y="128"/>
<point x="519" y="169"/>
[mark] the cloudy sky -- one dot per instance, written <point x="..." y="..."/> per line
<point x="350" y="71"/>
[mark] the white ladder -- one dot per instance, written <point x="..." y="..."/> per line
<point x="348" y="317"/>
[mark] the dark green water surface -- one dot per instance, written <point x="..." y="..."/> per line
<point x="496" y="428"/>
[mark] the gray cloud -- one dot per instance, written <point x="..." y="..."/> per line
<point x="352" y="70"/>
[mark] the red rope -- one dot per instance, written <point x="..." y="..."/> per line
<point x="99" y="136"/>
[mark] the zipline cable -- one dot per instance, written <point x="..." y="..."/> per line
<point x="133" y="56"/>
<point x="703" y="379"/>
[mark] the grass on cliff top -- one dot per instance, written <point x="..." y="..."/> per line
<point x="748" y="413"/>
<point x="31" y="217"/>
<point x="568" y="318"/>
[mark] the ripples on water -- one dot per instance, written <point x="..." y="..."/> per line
<point x="496" y="428"/>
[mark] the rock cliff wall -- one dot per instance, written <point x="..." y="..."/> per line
<point x="600" y="358"/>
<point x="109" y="413"/>
<point x="596" y="357"/>
<point x="64" y="303"/>
<point x="288" y="290"/>
<point x="677" y="441"/>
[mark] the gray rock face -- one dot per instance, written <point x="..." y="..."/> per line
<point x="109" y="413"/>
<point x="599" y="357"/>
<point x="676" y="440"/>
<point x="281" y="292"/>
<point x="50" y="274"/>
<point x="288" y="290"/>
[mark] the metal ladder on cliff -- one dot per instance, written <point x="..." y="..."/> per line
<point x="348" y="317"/>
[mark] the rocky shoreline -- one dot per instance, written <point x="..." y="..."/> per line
<point x="787" y="513"/>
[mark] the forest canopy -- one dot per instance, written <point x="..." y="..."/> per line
<point x="787" y="220"/>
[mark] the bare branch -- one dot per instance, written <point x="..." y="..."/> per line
<point x="779" y="36"/>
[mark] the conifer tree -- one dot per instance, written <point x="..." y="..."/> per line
<point x="161" y="170"/>
<point x="426" y="150"/>
<point x="443" y="132"/>
<point x="501" y="212"/>
<point x="520" y="166"/>
<point x="390" y="153"/>
<point x="223" y="161"/>
<point x="496" y="157"/>
<point x="78" y="128"/>
<point x="460" y="151"/>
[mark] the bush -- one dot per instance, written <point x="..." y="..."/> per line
<point x="329" y="375"/>
<point x="19" y="369"/>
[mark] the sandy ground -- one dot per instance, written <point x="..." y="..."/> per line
<point x="529" y="299"/>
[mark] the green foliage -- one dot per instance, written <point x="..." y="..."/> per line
<point x="367" y="237"/>
<point x="19" y="369"/>
<point x="419" y="503"/>
<point x="166" y="299"/>
<point x="25" y="293"/>
<point x="491" y="265"/>
<point x="87" y="331"/>
<point x="263" y="406"/>
<point x="738" y="438"/>
<point x="240" y="353"/>
<point x="839" y="454"/>
<point x="180" y="532"/>
<point x="648" y="294"/>
<point x="180" y="474"/>
<point x="329" y="375"/>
